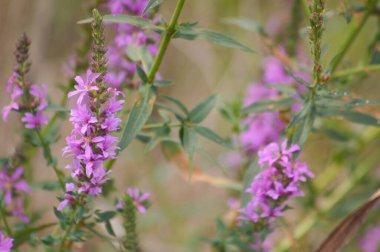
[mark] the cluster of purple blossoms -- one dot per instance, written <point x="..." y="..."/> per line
<point x="12" y="185"/>
<point x="268" y="124"/>
<point x="278" y="182"/>
<point x="121" y="68"/>
<point x="91" y="143"/>
<point x="6" y="244"/>
<point x="140" y="200"/>
<point x="32" y="107"/>
<point x="370" y="242"/>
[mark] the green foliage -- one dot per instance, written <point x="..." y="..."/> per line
<point x="125" y="19"/>
<point x="188" y="32"/>
<point x="138" y="117"/>
<point x="152" y="4"/>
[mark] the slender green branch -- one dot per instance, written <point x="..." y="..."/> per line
<point x="356" y="70"/>
<point x="4" y="218"/>
<point x="354" y="32"/>
<point x="50" y="160"/>
<point x="170" y="30"/>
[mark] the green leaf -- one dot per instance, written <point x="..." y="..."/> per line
<point x="162" y="83"/>
<point x="200" y="112"/>
<point x="350" y="115"/>
<point x="168" y="108"/>
<point x="126" y="19"/>
<point x="103" y="216"/>
<point x="268" y="105"/>
<point x="189" y="140"/>
<point x="151" y="4"/>
<point x="109" y="228"/>
<point x="245" y="23"/>
<point x="24" y="235"/>
<point x="211" y="135"/>
<point x="47" y="185"/>
<point x="176" y="102"/>
<point x="298" y="79"/>
<point x="210" y="36"/>
<point x="141" y="73"/>
<point x="139" y="115"/>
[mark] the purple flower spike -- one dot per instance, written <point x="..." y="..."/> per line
<point x="91" y="142"/>
<point x="279" y="181"/>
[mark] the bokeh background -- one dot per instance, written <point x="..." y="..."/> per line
<point x="182" y="213"/>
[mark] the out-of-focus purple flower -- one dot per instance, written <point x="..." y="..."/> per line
<point x="121" y="68"/>
<point x="140" y="200"/>
<point x="12" y="186"/>
<point x="6" y="244"/>
<point x="91" y="143"/>
<point x="36" y="105"/>
<point x="279" y="181"/>
<point x="370" y="242"/>
<point x="262" y="246"/>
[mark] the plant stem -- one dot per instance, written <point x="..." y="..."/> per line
<point x="50" y="160"/>
<point x="356" y="70"/>
<point x="371" y="4"/>
<point x="4" y="217"/>
<point x="170" y="30"/>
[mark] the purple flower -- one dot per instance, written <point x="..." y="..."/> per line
<point x="139" y="200"/>
<point x="85" y="86"/>
<point x="34" y="120"/>
<point x="370" y="242"/>
<point x="6" y="244"/>
<point x="279" y="181"/>
<point x="36" y="102"/>
<point x="13" y="185"/>
<point x="91" y="142"/>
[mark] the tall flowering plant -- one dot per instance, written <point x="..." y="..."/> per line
<point x="292" y="109"/>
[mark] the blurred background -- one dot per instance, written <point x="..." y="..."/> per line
<point x="183" y="213"/>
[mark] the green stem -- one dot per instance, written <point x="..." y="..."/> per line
<point x="50" y="160"/>
<point x="356" y="70"/>
<point x="170" y="30"/>
<point x="371" y="4"/>
<point x="4" y="218"/>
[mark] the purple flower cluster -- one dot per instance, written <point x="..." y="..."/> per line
<point x="30" y="99"/>
<point x="264" y="128"/>
<point x="6" y="244"/>
<point x="279" y="181"/>
<point x="12" y="185"/>
<point x="370" y="242"/>
<point x="91" y="143"/>
<point x="139" y="200"/>
<point x="121" y="67"/>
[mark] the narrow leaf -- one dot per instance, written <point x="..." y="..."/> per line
<point x="176" y="102"/>
<point x="126" y="19"/>
<point x="201" y="111"/>
<point x="188" y="140"/>
<point x="151" y="4"/>
<point x="141" y="73"/>
<point x="350" y="115"/>
<point x="138" y="117"/>
<point x="211" y="135"/>
<point x="268" y="105"/>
